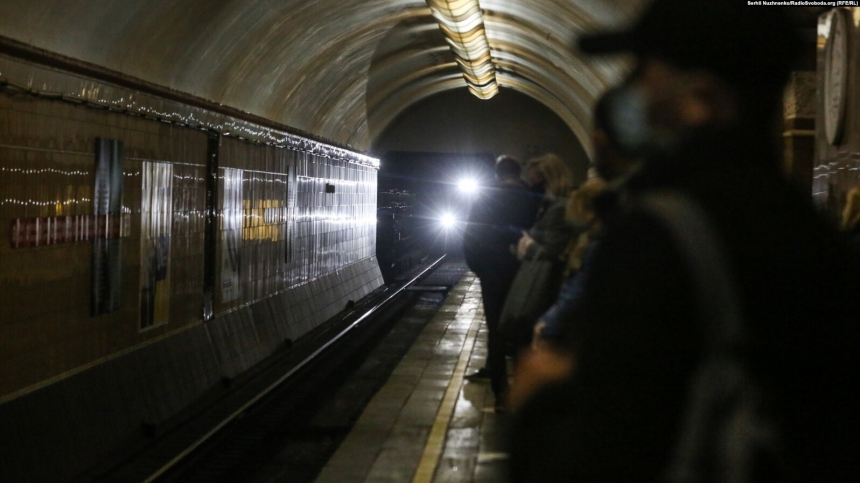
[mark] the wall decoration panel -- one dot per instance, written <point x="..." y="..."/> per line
<point x="156" y="219"/>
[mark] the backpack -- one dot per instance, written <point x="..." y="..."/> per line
<point x="727" y="434"/>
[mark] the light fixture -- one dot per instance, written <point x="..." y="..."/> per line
<point x="447" y="220"/>
<point x="463" y="25"/>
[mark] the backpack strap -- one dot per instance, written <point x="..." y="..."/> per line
<point x="702" y="251"/>
<point x="725" y="426"/>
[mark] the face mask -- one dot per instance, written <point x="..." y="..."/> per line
<point x="637" y="137"/>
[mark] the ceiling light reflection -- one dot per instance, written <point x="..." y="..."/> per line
<point x="463" y="25"/>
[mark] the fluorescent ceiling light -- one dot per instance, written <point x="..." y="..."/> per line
<point x="463" y="25"/>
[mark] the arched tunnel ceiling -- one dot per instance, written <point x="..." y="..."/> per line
<point x="341" y="70"/>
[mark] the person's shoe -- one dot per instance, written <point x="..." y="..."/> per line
<point x="483" y="374"/>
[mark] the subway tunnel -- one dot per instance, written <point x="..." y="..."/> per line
<point x="189" y="187"/>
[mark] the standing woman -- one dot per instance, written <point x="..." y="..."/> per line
<point x="541" y="251"/>
<point x="549" y="236"/>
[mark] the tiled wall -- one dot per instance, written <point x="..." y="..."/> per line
<point x="47" y="153"/>
<point x="333" y="229"/>
<point x="280" y="228"/>
<point x="290" y="255"/>
<point x="186" y="246"/>
<point x="74" y="385"/>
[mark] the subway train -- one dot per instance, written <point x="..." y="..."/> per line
<point x="424" y="201"/>
<point x="400" y="244"/>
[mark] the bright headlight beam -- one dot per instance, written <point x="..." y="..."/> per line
<point x="467" y="185"/>
<point x="447" y="220"/>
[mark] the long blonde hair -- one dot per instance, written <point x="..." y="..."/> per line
<point x="851" y="213"/>
<point x="556" y="175"/>
<point x="580" y="208"/>
<point x="579" y="205"/>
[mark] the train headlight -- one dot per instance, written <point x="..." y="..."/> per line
<point x="468" y="185"/>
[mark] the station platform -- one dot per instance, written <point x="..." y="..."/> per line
<point x="428" y="423"/>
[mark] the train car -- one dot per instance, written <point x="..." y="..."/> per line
<point x="399" y="240"/>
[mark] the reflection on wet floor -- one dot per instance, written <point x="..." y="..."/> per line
<point x="427" y="424"/>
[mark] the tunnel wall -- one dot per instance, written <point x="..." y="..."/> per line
<point x="509" y="123"/>
<point x="142" y="270"/>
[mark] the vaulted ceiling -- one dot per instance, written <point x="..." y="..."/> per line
<point x="340" y="69"/>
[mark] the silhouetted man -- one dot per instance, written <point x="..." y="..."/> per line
<point x="496" y="221"/>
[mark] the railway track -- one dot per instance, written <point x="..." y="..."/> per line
<point x="286" y="420"/>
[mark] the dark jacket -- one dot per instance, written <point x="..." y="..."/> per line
<point x="497" y="218"/>
<point x="551" y="232"/>
<point x="854" y="239"/>
<point x="557" y="319"/>
<point x="635" y="336"/>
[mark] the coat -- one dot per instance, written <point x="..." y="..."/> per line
<point x="633" y="329"/>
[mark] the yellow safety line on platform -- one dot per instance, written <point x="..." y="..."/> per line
<point x="436" y="440"/>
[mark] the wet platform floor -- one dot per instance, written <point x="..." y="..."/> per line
<point x="428" y="423"/>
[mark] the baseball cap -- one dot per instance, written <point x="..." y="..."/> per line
<point x="746" y="45"/>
